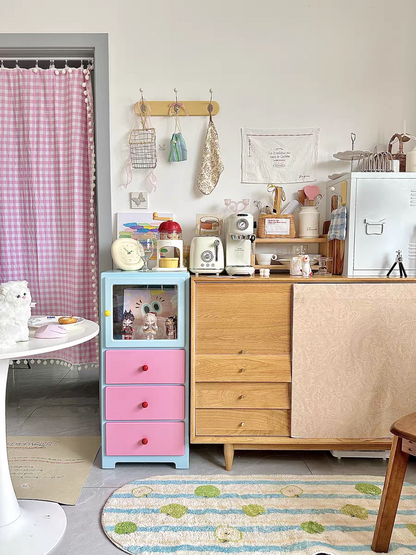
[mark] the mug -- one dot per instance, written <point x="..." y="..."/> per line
<point x="265" y="259"/>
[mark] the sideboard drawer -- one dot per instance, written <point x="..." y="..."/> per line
<point x="159" y="402"/>
<point x="242" y="368"/>
<point x="252" y="317"/>
<point x="242" y="422"/>
<point x="145" y="366"/>
<point x="242" y="395"/>
<point x="163" y="438"/>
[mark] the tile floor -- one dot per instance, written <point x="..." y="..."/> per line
<point x="52" y="400"/>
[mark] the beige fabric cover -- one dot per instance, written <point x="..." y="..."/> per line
<point x="354" y="359"/>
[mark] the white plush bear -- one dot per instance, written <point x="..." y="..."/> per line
<point x="15" y="302"/>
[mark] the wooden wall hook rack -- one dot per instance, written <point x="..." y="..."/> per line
<point x="194" y="107"/>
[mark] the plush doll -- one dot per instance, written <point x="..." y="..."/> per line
<point x="15" y="303"/>
<point x="171" y="327"/>
<point x="127" y="330"/>
<point x="150" y="327"/>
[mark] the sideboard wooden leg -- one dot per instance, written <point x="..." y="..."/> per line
<point x="396" y="471"/>
<point x="228" y="455"/>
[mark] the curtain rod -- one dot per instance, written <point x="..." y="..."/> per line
<point x="45" y="59"/>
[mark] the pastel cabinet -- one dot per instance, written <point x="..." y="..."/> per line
<point x="144" y="367"/>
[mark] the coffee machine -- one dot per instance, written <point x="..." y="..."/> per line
<point x="239" y="239"/>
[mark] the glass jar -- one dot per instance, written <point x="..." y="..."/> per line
<point x="169" y="230"/>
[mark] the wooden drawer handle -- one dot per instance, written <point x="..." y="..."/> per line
<point x="145" y="441"/>
<point x="145" y="368"/>
<point x="145" y="404"/>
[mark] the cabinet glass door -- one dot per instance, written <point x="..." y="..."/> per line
<point x="145" y="312"/>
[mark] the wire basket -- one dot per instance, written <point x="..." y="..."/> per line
<point x="143" y="148"/>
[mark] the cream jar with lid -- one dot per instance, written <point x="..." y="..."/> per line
<point x="308" y="222"/>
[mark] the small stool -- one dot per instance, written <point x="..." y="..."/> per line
<point x="404" y="443"/>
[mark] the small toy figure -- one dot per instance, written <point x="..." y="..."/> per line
<point x="15" y="301"/>
<point x="306" y="266"/>
<point x="150" y="327"/>
<point x="171" y="324"/>
<point x="127" y="330"/>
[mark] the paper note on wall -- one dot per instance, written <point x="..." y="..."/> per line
<point x="279" y="155"/>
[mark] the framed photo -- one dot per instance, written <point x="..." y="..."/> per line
<point x="139" y="200"/>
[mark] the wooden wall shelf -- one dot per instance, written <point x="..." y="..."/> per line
<point x="292" y="240"/>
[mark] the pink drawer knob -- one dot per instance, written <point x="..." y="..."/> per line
<point x="145" y="441"/>
<point x="145" y="368"/>
<point x="145" y="404"/>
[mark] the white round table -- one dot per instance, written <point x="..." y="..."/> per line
<point x="31" y="527"/>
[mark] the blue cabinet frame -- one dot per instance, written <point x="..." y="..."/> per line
<point x="117" y="277"/>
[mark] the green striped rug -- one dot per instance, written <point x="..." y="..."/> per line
<point x="253" y="515"/>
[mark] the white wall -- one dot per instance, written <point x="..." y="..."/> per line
<point x="344" y="65"/>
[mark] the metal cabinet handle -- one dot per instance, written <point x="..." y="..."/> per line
<point x="380" y="224"/>
<point x="242" y="369"/>
<point x="242" y="424"/>
<point x="241" y="397"/>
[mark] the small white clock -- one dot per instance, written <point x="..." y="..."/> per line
<point x="126" y="254"/>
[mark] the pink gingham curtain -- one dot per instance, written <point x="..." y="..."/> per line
<point x="47" y="214"/>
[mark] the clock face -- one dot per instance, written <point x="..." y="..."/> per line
<point x="126" y="254"/>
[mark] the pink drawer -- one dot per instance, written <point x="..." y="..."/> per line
<point x="145" y="438"/>
<point x="148" y="402"/>
<point x="145" y="366"/>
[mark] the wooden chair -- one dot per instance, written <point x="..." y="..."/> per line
<point x="404" y="443"/>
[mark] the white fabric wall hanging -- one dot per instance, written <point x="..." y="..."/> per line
<point x="279" y="155"/>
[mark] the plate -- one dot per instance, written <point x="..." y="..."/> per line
<point x="347" y="155"/>
<point x="79" y="321"/>
<point x="335" y="175"/>
<point x="37" y="321"/>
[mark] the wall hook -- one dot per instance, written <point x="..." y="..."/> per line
<point x="210" y="106"/>
<point x="176" y="106"/>
<point x="143" y="103"/>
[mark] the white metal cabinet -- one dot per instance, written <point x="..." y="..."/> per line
<point x="381" y="216"/>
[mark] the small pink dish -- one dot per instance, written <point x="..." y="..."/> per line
<point x="50" y="331"/>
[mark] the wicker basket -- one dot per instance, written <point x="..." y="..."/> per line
<point x="276" y="225"/>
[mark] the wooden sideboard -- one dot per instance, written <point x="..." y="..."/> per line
<point x="241" y="362"/>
